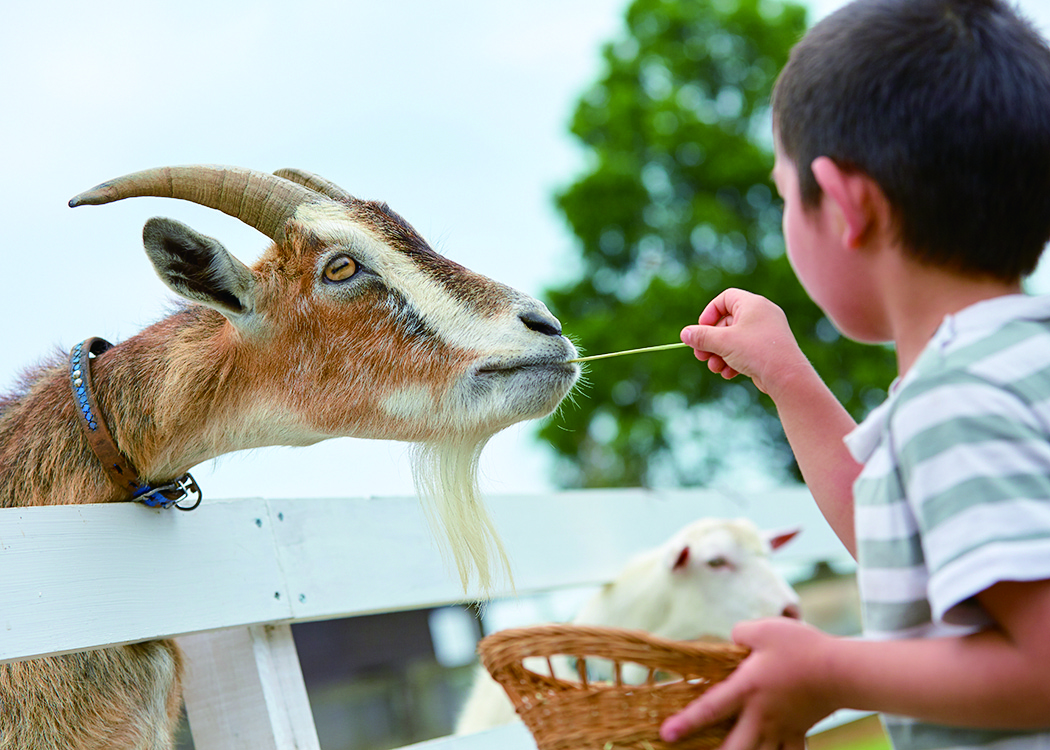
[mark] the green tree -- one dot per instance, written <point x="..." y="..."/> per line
<point x="678" y="205"/>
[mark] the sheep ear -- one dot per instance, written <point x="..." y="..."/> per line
<point x="682" y="559"/>
<point x="778" y="539"/>
<point x="199" y="268"/>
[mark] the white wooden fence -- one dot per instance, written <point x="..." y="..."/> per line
<point x="228" y="579"/>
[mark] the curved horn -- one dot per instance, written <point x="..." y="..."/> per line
<point x="316" y="183"/>
<point x="260" y="200"/>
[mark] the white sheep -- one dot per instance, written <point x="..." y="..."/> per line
<point x="706" y="578"/>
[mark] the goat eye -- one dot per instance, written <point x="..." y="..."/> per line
<point x="340" y="268"/>
<point x="717" y="563"/>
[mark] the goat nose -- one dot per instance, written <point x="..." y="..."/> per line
<point x="792" y="611"/>
<point x="541" y="322"/>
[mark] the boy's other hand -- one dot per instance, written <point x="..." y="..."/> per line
<point x="777" y="693"/>
<point x="743" y="333"/>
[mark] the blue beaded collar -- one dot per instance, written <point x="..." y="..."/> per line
<point x="118" y="468"/>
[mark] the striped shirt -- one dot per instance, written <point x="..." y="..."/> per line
<point x="954" y="495"/>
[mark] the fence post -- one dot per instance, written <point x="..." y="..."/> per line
<point x="244" y="690"/>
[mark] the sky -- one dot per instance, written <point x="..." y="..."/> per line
<point x="455" y="113"/>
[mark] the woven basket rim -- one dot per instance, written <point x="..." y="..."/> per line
<point x="596" y="641"/>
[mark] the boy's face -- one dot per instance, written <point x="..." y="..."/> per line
<point x="800" y="233"/>
<point x="825" y="267"/>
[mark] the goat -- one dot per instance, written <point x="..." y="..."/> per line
<point x="348" y="325"/>
<point x="698" y="584"/>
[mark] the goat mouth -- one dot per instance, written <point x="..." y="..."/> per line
<point x="507" y="367"/>
<point x="518" y="388"/>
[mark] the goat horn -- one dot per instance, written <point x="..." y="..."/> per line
<point x="260" y="200"/>
<point x="316" y="183"/>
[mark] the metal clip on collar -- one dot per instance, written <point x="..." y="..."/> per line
<point x="169" y="495"/>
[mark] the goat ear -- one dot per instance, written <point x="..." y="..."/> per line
<point x="682" y="559"/>
<point x="778" y="539"/>
<point x="199" y="268"/>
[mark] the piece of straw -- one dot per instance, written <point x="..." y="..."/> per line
<point x="630" y="351"/>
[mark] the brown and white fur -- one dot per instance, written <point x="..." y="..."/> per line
<point x="348" y="325"/>
<point x="706" y="578"/>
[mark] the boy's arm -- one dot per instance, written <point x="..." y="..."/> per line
<point x="742" y="333"/>
<point x="995" y="679"/>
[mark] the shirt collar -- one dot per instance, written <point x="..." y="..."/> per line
<point x="986" y="317"/>
<point x="969" y="324"/>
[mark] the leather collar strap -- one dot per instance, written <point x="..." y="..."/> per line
<point x="119" y="470"/>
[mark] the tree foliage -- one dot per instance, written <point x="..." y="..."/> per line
<point x="676" y="206"/>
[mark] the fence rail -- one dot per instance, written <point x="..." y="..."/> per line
<point x="228" y="579"/>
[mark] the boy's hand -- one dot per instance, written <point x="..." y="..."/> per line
<point x="777" y="692"/>
<point x="743" y="333"/>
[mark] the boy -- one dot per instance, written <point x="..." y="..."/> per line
<point x="913" y="157"/>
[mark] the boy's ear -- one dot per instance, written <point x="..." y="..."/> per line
<point x="859" y="199"/>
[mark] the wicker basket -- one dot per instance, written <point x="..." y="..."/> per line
<point x="587" y="715"/>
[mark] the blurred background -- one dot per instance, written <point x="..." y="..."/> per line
<point x="609" y="157"/>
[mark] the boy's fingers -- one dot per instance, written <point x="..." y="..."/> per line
<point x="743" y="632"/>
<point x="716" y="309"/>
<point x="711" y="707"/>
<point x="717" y="365"/>
<point x="704" y="341"/>
<point x="702" y="338"/>
<point x="743" y="736"/>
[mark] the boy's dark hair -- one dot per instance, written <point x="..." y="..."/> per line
<point x="946" y="105"/>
